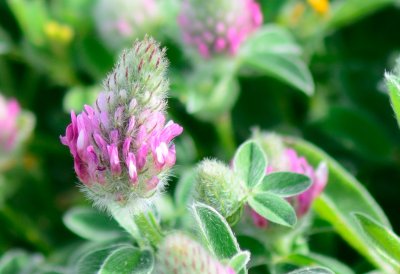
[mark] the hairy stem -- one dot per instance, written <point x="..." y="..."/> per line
<point x="149" y="228"/>
<point x="141" y="226"/>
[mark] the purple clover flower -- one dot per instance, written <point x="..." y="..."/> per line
<point x="218" y="27"/>
<point x="122" y="146"/>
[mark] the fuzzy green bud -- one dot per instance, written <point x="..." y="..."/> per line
<point x="179" y="254"/>
<point x="217" y="186"/>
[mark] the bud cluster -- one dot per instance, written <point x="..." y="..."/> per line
<point x="122" y="146"/>
<point x="215" y="27"/>
<point x="180" y="254"/>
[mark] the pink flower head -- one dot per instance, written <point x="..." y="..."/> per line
<point x="122" y="146"/>
<point x="218" y="27"/>
<point x="292" y="162"/>
<point x="9" y="130"/>
<point x="100" y="148"/>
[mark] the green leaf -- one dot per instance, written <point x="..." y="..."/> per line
<point x="239" y="261"/>
<point x="72" y="254"/>
<point x="343" y="195"/>
<point x="273" y="51"/>
<point x="273" y="208"/>
<point x="13" y="261"/>
<point x="91" y="262"/>
<point x="312" y="259"/>
<point x="381" y="238"/>
<point x="121" y="259"/>
<point x="128" y="259"/>
<point x="393" y="85"/>
<point x="312" y="270"/>
<point x="31" y="17"/>
<point x="284" y="184"/>
<point x="250" y="163"/>
<point x="90" y="224"/>
<point x="216" y="232"/>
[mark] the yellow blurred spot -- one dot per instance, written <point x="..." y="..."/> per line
<point x="320" y="6"/>
<point x="297" y="12"/>
<point x="30" y="162"/>
<point x="58" y="32"/>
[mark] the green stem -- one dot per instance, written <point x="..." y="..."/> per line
<point x="142" y="227"/>
<point x="225" y="133"/>
<point x="149" y="228"/>
<point x="126" y="221"/>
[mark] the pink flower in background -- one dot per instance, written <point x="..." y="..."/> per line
<point x="119" y="22"/>
<point x="122" y="146"/>
<point x="302" y="202"/>
<point x="215" y="27"/>
<point x="9" y="130"/>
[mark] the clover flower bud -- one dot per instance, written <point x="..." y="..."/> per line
<point x="289" y="160"/>
<point x="217" y="186"/>
<point x="139" y="78"/>
<point x="218" y="27"/>
<point x="122" y="146"/>
<point x="121" y="21"/>
<point x="15" y="126"/>
<point x="318" y="176"/>
<point x="179" y="254"/>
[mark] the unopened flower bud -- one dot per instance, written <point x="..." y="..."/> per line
<point x="179" y="254"/>
<point x="217" y="186"/>
<point x="289" y="160"/>
<point x="218" y="27"/>
<point x="140" y="76"/>
<point x="121" y="21"/>
<point x="122" y="146"/>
